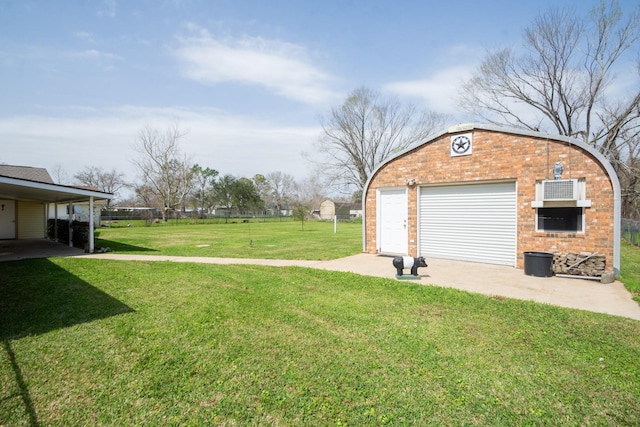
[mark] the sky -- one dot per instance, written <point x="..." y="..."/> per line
<point x="248" y="81"/>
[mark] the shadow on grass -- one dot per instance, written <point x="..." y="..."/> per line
<point x="121" y="247"/>
<point x="37" y="296"/>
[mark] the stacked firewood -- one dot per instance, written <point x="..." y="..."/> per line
<point x="579" y="264"/>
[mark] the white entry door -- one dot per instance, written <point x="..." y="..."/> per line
<point x="392" y="221"/>
<point x="7" y="219"/>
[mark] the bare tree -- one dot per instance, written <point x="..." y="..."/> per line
<point x="366" y="130"/>
<point x="59" y="175"/>
<point x="310" y="192"/>
<point x="164" y="170"/>
<point x="106" y="181"/>
<point x="562" y="81"/>
<point x="280" y="190"/>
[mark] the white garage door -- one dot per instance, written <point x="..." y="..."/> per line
<point x="469" y="222"/>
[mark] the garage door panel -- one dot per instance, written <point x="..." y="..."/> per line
<point x="469" y="222"/>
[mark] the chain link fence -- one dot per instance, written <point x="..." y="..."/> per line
<point x="631" y="231"/>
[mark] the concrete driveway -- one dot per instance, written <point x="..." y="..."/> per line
<point x="12" y="250"/>
<point x="612" y="298"/>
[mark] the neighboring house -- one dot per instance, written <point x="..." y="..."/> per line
<point x="488" y="194"/>
<point x="285" y="210"/>
<point x="79" y="212"/>
<point x="28" y="195"/>
<point x="355" y="210"/>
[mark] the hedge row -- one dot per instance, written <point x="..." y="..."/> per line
<point x="80" y="232"/>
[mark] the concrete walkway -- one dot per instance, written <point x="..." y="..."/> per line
<point x="612" y="298"/>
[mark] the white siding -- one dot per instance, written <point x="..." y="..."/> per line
<point x="31" y="220"/>
<point x="474" y="222"/>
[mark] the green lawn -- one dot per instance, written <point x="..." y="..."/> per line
<point x="630" y="268"/>
<point x="97" y="342"/>
<point x="256" y="239"/>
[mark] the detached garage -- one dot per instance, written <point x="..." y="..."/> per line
<point x="488" y="194"/>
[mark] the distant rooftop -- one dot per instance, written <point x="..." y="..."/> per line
<point x="26" y="172"/>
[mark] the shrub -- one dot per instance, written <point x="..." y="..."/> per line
<point x="80" y="231"/>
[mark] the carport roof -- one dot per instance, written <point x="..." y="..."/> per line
<point x="36" y="191"/>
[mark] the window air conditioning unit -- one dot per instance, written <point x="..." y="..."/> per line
<point x="560" y="189"/>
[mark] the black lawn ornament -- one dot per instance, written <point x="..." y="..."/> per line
<point x="402" y="262"/>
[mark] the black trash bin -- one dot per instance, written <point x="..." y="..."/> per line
<point x="539" y="264"/>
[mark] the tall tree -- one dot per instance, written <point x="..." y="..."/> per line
<point x="262" y="186"/>
<point x="164" y="170"/>
<point x="203" y="179"/>
<point x="239" y="194"/>
<point x="366" y="130"/>
<point x="223" y="193"/>
<point x="245" y="196"/>
<point x="561" y="83"/>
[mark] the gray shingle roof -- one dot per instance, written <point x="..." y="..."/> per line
<point x="26" y="172"/>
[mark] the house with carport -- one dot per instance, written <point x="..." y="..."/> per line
<point x="489" y="194"/>
<point x="28" y="197"/>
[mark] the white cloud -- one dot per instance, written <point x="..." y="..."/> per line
<point x="77" y="137"/>
<point x="439" y="91"/>
<point x="281" y="67"/>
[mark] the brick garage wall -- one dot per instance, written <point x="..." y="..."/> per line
<point x="504" y="156"/>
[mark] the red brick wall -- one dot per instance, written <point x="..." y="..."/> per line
<point x="504" y="156"/>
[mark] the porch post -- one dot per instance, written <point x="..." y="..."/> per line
<point x="55" y="222"/>
<point x="70" y="217"/>
<point x="91" y="233"/>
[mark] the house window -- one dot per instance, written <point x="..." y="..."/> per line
<point x="563" y="219"/>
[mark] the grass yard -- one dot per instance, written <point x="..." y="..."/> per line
<point x="271" y="240"/>
<point x="630" y="268"/>
<point x="98" y="342"/>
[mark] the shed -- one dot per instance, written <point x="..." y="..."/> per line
<point x="484" y="193"/>
<point x="329" y="210"/>
<point x="26" y="194"/>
